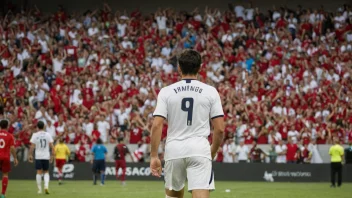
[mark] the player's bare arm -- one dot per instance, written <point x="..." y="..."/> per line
<point x="129" y="153"/>
<point x="218" y="135"/>
<point x="30" y="154"/>
<point x="14" y="155"/>
<point x="52" y="152"/>
<point x="155" y="164"/>
<point x="132" y="160"/>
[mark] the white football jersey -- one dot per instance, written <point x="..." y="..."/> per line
<point x="42" y="139"/>
<point x="188" y="106"/>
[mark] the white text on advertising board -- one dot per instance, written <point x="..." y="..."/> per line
<point x="130" y="171"/>
<point x="67" y="170"/>
<point x="291" y="174"/>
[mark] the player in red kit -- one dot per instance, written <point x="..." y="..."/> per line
<point x="7" y="147"/>
<point x="120" y="152"/>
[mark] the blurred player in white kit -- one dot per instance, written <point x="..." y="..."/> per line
<point x="42" y="142"/>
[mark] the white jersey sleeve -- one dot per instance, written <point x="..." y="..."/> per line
<point x="42" y="142"/>
<point x="161" y="106"/>
<point x="216" y="107"/>
<point x="33" y="138"/>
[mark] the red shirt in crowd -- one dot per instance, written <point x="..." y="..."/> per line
<point x="88" y="103"/>
<point x="25" y="136"/>
<point x="262" y="139"/>
<point x="87" y="91"/>
<point x="164" y="132"/>
<point x="81" y="153"/>
<point x="71" y="51"/>
<point x="11" y="129"/>
<point x="220" y="156"/>
<point x="248" y="138"/>
<point x="95" y="135"/>
<point x="135" y="135"/>
<point x="60" y="16"/>
<point x="338" y="133"/>
<point x="81" y="138"/>
<point x="283" y="131"/>
<point x="230" y="129"/>
<point x="132" y="92"/>
<point x="305" y="154"/>
<point x="319" y="139"/>
<point x="21" y="91"/>
<point x="116" y="91"/>
<point x="57" y="103"/>
<point x="291" y="152"/>
<point x="350" y="137"/>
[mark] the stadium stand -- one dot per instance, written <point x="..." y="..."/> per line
<point x="282" y="74"/>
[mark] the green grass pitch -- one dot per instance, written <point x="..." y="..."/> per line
<point x="147" y="189"/>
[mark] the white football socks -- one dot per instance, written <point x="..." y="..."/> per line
<point x="46" y="180"/>
<point x="39" y="182"/>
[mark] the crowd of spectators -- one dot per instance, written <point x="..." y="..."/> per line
<point x="283" y="73"/>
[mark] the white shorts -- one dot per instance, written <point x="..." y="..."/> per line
<point x="197" y="170"/>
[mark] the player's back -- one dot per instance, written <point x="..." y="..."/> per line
<point x="120" y="151"/>
<point x="6" y="141"/>
<point x="99" y="151"/>
<point x="42" y="141"/>
<point x="189" y="106"/>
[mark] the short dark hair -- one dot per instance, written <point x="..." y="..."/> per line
<point x="189" y="62"/>
<point x="120" y="139"/>
<point x="4" y="124"/>
<point x="40" y="125"/>
<point x="99" y="141"/>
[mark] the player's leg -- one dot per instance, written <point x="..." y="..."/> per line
<point x="200" y="177"/>
<point x="59" y="165"/>
<point x="5" y="181"/>
<point x="59" y="170"/>
<point x="102" y="172"/>
<point x="60" y="175"/>
<point x="339" y="175"/>
<point x="117" y="168"/>
<point x="333" y="174"/>
<point x="95" y="172"/>
<point x="46" y="181"/>
<point x="200" y="193"/>
<point x="39" y="180"/>
<point x="175" y="177"/>
<point x="39" y="168"/>
<point x="175" y="194"/>
<point x="102" y="178"/>
<point x="46" y="175"/>
<point x="123" y="176"/>
<point x="5" y="168"/>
